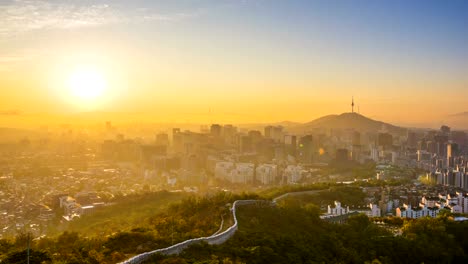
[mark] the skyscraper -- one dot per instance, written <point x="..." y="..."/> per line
<point x="411" y="139"/>
<point x="215" y="130"/>
<point x="305" y="150"/>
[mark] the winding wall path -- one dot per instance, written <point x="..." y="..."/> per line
<point x="216" y="238"/>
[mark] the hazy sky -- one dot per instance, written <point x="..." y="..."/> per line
<point x="238" y="61"/>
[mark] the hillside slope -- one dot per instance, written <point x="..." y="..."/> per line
<point x="350" y="121"/>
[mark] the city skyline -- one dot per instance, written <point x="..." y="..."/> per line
<point x="233" y="131"/>
<point x="215" y="61"/>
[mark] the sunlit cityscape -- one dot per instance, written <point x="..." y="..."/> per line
<point x="254" y="131"/>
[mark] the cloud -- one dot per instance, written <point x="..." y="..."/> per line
<point x="172" y="17"/>
<point x="10" y="113"/>
<point x="25" y="15"/>
<point x="20" y="16"/>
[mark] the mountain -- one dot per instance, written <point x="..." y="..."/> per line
<point x="261" y="126"/>
<point x="350" y="121"/>
<point x="456" y="121"/>
<point x="463" y="114"/>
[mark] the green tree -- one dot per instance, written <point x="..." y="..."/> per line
<point x="21" y="257"/>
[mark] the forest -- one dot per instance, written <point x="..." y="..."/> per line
<point x="295" y="234"/>
<point x="288" y="232"/>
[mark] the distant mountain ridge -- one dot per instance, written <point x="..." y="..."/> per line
<point x="350" y="121"/>
<point x="462" y="114"/>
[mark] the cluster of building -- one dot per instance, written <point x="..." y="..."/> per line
<point x="266" y="174"/>
<point x="81" y="204"/>
<point x="275" y="155"/>
<point x="222" y="152"/>
<point x="452" y="176"/>
<point x="427" y="204"/>
<point x="372" y="210"/>
<point x="36" y="175"/>
<point x="443" y="154"/>
<point x="431" y="206"/>
<point x="35" y="197"/>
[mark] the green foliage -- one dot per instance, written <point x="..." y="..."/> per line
<point x="364" y="171"/>
<point x="127" y="213"/>
<point x="20" y="257"/>
<point x="5" y="246"/>
<point x="392" y="221"/>
<point x="134" y="225"/>
<point x="132" y="242"/>
<point x="277" y="191"/>
<point x="348" y="195"/>
<point x="290" y="233"/>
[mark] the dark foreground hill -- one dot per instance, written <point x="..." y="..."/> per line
<point x="295" y="234"/>
<point x="291" y="232"/>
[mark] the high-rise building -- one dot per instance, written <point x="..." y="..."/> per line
<point x="445" y="130"/>
<point x="459" y="137"/>
<point x="431" y="147"/>
<point x="342" y="155"/>
<point x="452" y="151"/>
<point x="149" y="152"/>
<point x="177" y="140"/>
<point x="374" y="153"/>
<point x="449" y="150"/>
<point x="422" y="144"/>
<point x="274" y="132"/>
<point x="162" y="139"/>
<point x="441" y="144"/>
<point x="245" y="144"/>
<point x="356" y="146"/>
<point x="268" y="131"/>
<point x="411" y="139"/>
<point x="356" y="138"/>
<point x="291" y="144"/>
<point x="356" y="152"/>
<point x="229" y="132"/>
<point x="215" y="130"/>
<point x="306" y="149"/>
<point x="266" y="173"/>
<point x="255" y="134"/>
<point x="385" y="140"/>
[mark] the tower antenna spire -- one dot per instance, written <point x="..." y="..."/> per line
<point x="352" y="104"/>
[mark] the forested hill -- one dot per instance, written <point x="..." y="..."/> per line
<point x="349" y="121"/>
<point x="293" y="233"/>
<point x="290" y="232"/>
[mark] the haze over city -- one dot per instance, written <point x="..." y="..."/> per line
<point x="233" y="131"/>
<point x="234" y="61"/>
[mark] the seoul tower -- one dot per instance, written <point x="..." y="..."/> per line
<point x="352" y="104"/>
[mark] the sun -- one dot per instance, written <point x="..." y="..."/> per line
<point x="86" y="83"/>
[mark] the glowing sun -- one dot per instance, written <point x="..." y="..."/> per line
<point x="87" y="84"/>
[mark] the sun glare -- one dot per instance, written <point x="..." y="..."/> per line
<point x="86" y="84"/>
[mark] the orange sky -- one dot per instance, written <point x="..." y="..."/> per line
<point x="183" y="66"/>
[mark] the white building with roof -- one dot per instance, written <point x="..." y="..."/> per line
<point x="372" y="210"/>
<point x="407" y="211"/>
<point x="337" y="209"/>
